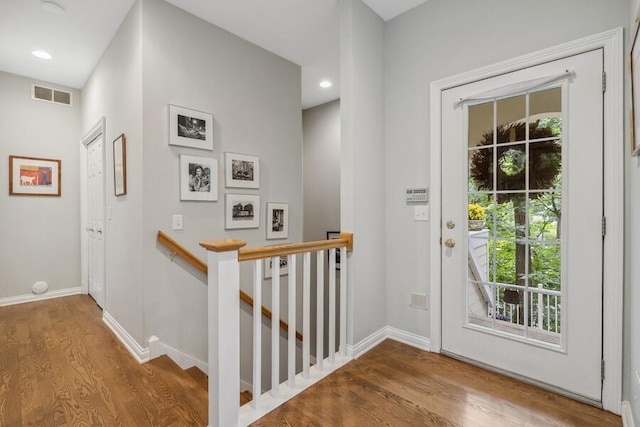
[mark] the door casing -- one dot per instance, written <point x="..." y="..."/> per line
<point x="99" y="128"/>
<point x="612" y="43"/>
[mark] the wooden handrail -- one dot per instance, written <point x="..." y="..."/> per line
<point x="248" y="254"/>
<point x="200" y="265"/>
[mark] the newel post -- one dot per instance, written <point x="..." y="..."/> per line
<point x="224" y="331"/>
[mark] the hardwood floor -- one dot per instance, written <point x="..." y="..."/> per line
<point x="397" y="385"/>
<point x="61" y="366"/>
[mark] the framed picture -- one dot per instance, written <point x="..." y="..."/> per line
<point x="120" y="165"/>
<point x="335" y="235"/>
<point x="268" y="267"/>
<point x="190" y="128"/>
<point x="31" y="176"/>
<point x="242" y="211"/>
<point x="241" y="171"/>
<point x="277" y="220"/>
<point x="634" y="66"/>
<point x="198" y="178"/>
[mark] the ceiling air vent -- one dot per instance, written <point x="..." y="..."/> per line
<point x="48" y="94"/>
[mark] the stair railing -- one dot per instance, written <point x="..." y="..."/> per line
<point x="224" y="259"/>
<point x="194" y="261"/>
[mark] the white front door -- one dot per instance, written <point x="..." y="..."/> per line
<point x="523" y="292"/>
<point x="95" y="219"/>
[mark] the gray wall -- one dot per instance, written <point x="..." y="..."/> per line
<point x="40" y="234"/>
<point x="160" y="56"/>
<point x="631" y="390"/>
<point x="362" y="167"/>
<point x="114" y="90"/>
<point x="442" y="38"/>
<point x="321" y="164"/>
<point x="254" y="97"/>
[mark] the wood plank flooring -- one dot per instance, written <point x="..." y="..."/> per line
<point x="61" y="366"/>
<point x="397" y="385"/>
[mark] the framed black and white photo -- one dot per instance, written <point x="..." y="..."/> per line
<point x="242" y="171"/>
<point x="277" y="220"/>
<point x="120" y="165"/>
<point x="242" y="211"/>
<point x="268" y="266"/>
<point x="198" y="178"/>
<point x="190" y="128"/>
<point x="335" y="235"/>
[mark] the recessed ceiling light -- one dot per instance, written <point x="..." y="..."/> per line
<point x="41" y="54"/>
<point x="52" y="7"/>
<point x="325" y="84"/>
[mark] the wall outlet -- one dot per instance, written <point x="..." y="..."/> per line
<point x="178" y="222"/>
<point x="418" y="300"/>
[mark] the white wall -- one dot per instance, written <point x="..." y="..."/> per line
<point x="255" y="99"/>
<point x="40" y="235"/>
<point x="321" y="160"/>
<point x="362" y="168"/>
<point x="114" y="90"/>
<point x="631" y="389"/>
<point x="436" y="40"/>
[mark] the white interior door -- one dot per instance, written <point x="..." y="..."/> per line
<point x="95" y="219"/>
<point x="523" y="292"/>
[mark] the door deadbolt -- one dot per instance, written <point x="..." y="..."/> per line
<point x="451" y="224"/>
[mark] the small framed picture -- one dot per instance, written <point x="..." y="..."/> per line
<point x="190" y="128"/>
<point x="31" y="176"/>
<point x="198" y="178"/>
<point x="277" y="220"/>
<point x="268" y="266"/>
<point x="335" y="235"/>
<point x="242" y="211"/>
<point x="120" y="165"/>
<point x="241" y="170"/>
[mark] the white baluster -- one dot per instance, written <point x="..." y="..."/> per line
<point x="292" y="321"/>
<point x="332" y="305"/>
<point x="320" y="311"/>
<point x="275" y="326"/>
<point x="257" y="332"/>
<point x="343" y="302"/>
<point x="306" y="313"/>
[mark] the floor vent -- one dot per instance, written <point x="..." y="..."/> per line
<point x="48" y="94"/>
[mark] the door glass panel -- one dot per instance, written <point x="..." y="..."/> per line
<point x="510" y="116"/>
<point x="512" y="165"/>
<point x="514" y="280"/>
<point x="481" y="124"/>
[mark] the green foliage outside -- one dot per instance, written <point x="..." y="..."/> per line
<point x="543" y="211"/>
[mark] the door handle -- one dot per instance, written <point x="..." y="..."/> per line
<point x="450" y="243"/>
<point x="90" y="229"/>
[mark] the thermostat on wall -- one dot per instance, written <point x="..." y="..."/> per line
<point x="417" y="194"/>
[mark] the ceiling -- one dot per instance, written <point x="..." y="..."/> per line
<point x="305" y="32"/>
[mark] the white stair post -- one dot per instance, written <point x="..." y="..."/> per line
<point x="224" y="331"/>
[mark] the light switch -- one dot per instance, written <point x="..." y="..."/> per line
<point x="177" y="222"/>
<point x="421" y="213"/>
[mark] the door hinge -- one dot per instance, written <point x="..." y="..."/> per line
<point x="602" y="369"/>
<point x="604" y="81"/>
<point x="604" y="226"/>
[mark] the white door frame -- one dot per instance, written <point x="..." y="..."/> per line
<point x="612" y="43"/>
<point x="99" y="128"/>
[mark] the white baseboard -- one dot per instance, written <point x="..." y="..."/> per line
<point x="157" y="348"/>
<point x="395" y="334"/>
<point x="39" y="297"/>
<point x="139" y="353"/>
<point x="627" y="415"/>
